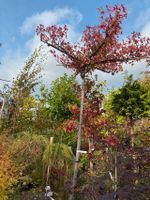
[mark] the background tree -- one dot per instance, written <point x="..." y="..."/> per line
<point x="20" y="90"/>
<point x="53" y="109"/>
<point x="59" y="97"/>
<point x="131" y="101"/>
<point x="27" y="79"/>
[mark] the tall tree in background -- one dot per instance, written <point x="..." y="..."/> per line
<point x="100" y="48"/>
<point x="59" y="97"/>
<point x="22" y="88"/>
<point x="27" y="79"/>
<point x="145" y="82"/>
<point x="131" y="101"/>
<point x="53" y="108"/>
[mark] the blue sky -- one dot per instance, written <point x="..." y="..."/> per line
<point x="19" y="18"/>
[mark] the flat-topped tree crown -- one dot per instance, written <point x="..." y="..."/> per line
<point x="100" y="47"/>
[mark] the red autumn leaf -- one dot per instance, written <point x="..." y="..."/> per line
<point x="71" y="126"/>
<point x="112" y="140"/>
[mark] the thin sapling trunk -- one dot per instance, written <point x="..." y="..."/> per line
<point x="77" y="158"/>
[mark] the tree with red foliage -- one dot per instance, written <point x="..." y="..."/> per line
<point x="100" y="48"/>
<point x="92" y="109"/>
<point x="92" y="123"/>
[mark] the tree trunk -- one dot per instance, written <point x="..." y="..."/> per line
<point x="90" y="141"/>
<point x="3" y="107"/>
<point x="48" y="168"/>
<point x="74" y="180"/>
<point x="116" y="174"/>
<point x="132" y="134"/>
<point x="134" y="156"/>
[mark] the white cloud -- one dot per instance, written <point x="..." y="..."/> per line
<point x="53" y="71"/>
<point x="33" y="43"/>
<point x="51" y="17"/>
<point x="116" y="80"/>
<point x="11" y="65"/>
